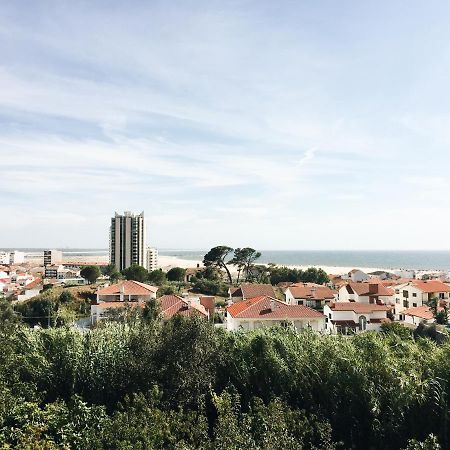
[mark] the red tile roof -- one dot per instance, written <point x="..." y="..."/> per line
<point x="265" y="307"/>
<point x="311" y="291"/>
<point x="34" y="284"/>
<point x="249" y="290"/>
<point x="128" y="287"/>
<point x="359" y="308"/>
<point x="372" y="289"/>
<point x="173" y="304"/>
<point x="431" y="286"/>
<point x="423" y="312"/>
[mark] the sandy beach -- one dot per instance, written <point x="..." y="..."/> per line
<point x="167" y="262"/>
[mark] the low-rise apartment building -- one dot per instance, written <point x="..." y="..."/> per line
<point x="369" y="292"/>
<point x="353" y="317"/>
<point x="309" y="294"/>
<point x="266" y="311"/>
<point x="416" y="293"/>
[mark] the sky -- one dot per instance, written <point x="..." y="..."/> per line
<point x="275" y="125"/>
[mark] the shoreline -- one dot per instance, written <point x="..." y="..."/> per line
<point x="166" y="262"/>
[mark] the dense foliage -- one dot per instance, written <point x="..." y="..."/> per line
<point x="185" y="384"/>
<point x="286" y="274"/>
<point x="90" y="273"/>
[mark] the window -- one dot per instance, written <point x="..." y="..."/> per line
<point x="414" y="305"/>
<point x="300" y="302"/>
<point x="414" y="294"/>
<point x="441" y="295"/>
<point x="405" y="294"/>
<point x="405" y="303"/>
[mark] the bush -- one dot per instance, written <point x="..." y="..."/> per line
<point x="176" y="274"/>
<point x="210" y="287"/>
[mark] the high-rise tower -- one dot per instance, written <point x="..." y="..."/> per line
<point x="127" y="243"/>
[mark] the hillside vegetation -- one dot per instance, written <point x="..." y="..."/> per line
<point x="185" y="384"/>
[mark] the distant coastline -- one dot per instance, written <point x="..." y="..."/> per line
<point x="332" y="261"/>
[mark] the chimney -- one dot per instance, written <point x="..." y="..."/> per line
<point x="373" y="288"/>
<point x="273" y="304"/>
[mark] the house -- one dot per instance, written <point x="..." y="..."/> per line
<point x="251" y="290"/>
<point x="370" y="292"/>
<point x="267" y="311"/>
<point x="418" y="292"/>
<point x="127" y="290"/>
<point x="381" y="275"/>
<point x="30" y="290"/>
<point x="127" y="293"/>
<point x="171" y="305"/>
<point x="356" y="276"/>
<point x="345" y="317"/>
<point x="101" y="310"/>
<point x="417" y="315"/>
<point x="309" y="294"/>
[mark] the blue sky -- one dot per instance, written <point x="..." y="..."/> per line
<point x="279" y="125"/>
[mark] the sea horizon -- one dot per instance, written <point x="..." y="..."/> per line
<point x="438" y="260"/>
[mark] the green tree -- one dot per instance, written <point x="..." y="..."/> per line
<point x="136" y="272"/>
<point x="244" y="259"/>
<point x="216" y="257"/>
<point x="8" y="316"/>
<point x="439" y="314"/>
<point x="90" y="273"/>
<point x="66" y="297"/>
<point x="157" y="277"/>
<point x="176" y="274"/>
<point x="112" y="272"/>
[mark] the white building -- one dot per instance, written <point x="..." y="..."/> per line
<point x="366" y="293"/>
<point x="151" y="258"/>
<point x="417" y="315"/>
<point x="405" y="273"/>
<point x="356" y="276"/>
<point x="30" y="290"/>
<point x="12" y="258"/>
<point x="52" y="257"/>
<point x="265" y="311"/>
<point x="127" y="244"/>
<point x="121" y="295"/>
<point x="345" y="317"/>
<point x="309" y="294"/>
<point x="418" y="292"/>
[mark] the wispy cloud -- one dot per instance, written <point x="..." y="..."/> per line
<point x="230" y="122"/>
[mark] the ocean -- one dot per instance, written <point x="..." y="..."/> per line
<point x="417" y="260"/>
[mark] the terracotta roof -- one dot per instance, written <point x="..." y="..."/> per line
<point x="372" y="289"/>
<point x="424" y="312"/>
<point x="249" y="290"/>
<point x="311" y="291"/>
<point x="431" y="286"/>
<point x="33" y="284"/>
<point x="173" y="304"/>
<point x="359" y="308"/>
<point x="265" y="307"/>
<point x="129" y="287"/>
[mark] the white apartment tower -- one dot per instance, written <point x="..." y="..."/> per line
<point x="127" y="240"/>
<point x="52" y="257"/>
<point x="152" y="258"/>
